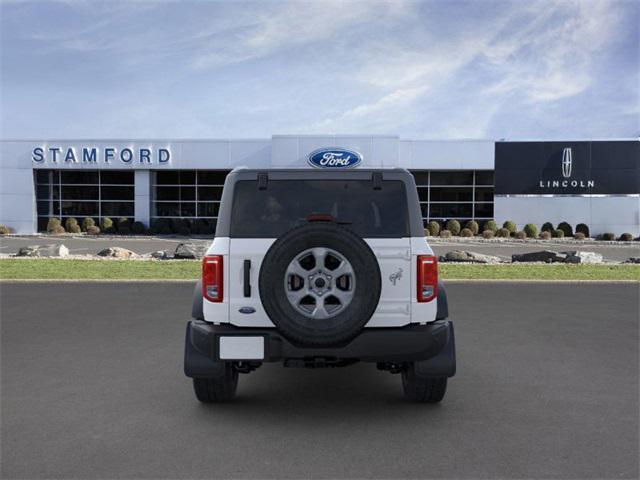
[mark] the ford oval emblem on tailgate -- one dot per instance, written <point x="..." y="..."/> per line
<point x="247" y="310"/>
<point x="334" y="158"/>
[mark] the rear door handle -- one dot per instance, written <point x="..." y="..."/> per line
<point x="247" y="278"/>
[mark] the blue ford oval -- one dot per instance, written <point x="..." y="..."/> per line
<point x="334" y="158"/>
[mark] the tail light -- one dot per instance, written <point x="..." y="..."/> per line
<point x="212" y="282"/>
<point x="427" y="278"/>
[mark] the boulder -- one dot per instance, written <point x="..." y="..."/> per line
<point x="582" y="257"/>
<point x="190" y="251"/>
<point x="52" y="250"/>
<point x="632" y="260"/>
<point x="468" y="257"/>
<point x="116" y="252"/>
<point x="546" y="256"/>
<point x="160" y="254"/>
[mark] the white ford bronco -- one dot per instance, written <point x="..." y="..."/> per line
<point x="319" y="268"/>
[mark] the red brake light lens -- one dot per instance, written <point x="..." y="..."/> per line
<point x="212" y="278"/>
<point x="427" y="278"/>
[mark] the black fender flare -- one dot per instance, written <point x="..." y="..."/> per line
<point x="196" y="305"/>
<point x="443" y="307"/>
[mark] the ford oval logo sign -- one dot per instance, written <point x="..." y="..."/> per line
<point x="334" y="158"/>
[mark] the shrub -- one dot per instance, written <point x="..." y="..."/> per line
<point x="93" y="230"/>
<point x="138" y="228"/>
<point x="531" y="230"/>
<point x="491" y="225"/>
<point x="473" y="226"/>
<point x="445" y="234"/>
<point x="176" y="224"/>
<point x="608" y="236"/>
<point x="557" y="233"/>
<point x="521" y="235"/>
<point x="52" y="224"/>
<point x="547" y="227"/>
<point x="626" y="237"/>
<point x="545" y="235"/>
<point x="453" y="226"/>
<point x="488" y="234"/>
<point x="74" y="228"/>
<point x="503" y="233"/>
<point x="87" y="222"/>
<point x="583" y="228"/>
<point x="69" y="223"/>
<point x="434" y="228"/>
<point x="161" y="226"/>
<point x="57" y="230"/>
<point x="466" y="232"/>
<point x="106" y="225"/>
<point x="510" y="225"/>
<point x="4" y="230"/>
<point x="123" y="226"/>
<point x="566" y="228"/>
<point x="579" y="236"/>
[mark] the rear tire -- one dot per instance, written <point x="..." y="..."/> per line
<point x="219" y="388"/>
<point x="418" y="388"/>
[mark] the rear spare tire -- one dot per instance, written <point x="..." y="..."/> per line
<point x="319" y="284"/>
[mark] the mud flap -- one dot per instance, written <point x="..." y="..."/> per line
<point x="443" y="364"/>
<point x="197" y="364"/>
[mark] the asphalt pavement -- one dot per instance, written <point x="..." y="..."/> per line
<point x="92" y="245"/>
<point x="92" y="387"/>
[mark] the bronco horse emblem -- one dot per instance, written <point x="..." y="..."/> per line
<point x="394" y="277"/>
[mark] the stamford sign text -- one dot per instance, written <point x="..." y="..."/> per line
<point x="94" y="155"/>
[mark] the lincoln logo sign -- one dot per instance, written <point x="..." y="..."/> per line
<point x="567" y="166"/>
<point x="566" y="162"/>
<point x="334" y="158"/>
<point x="93" y="155"/>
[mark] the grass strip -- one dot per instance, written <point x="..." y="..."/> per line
<point x="64" y="269"/>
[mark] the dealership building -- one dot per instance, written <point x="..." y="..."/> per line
<point x="596" y="182"/>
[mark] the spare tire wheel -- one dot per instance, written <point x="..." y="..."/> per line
<point x="320" y="284"/>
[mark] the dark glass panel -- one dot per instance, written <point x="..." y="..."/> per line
<point x="56" y="208"/>
<point x="80" y="209"/>
<point x="484" y="177"/>
<point x="423" y="194"/>
<point x="212" y="177"/>
<point x="455" y="177"/>
<point x="209" y="193"/>
<point x="187" y="209"/>
<point x="117" y="178"/>
<point x="447" y="194"/>
<point x="80" y="192"/>
<point x="43" y="208"/>
<point x="484" y="194"/>
<point x="188" y="177"/>
<point x="168" y="193"/>
<point x="167" y="209"/>
<point x="116" y="193"/>
<point x="484" y="210"/>
<point x="422" y="178"/>
<point x="56" y="192"/>
<point x="42" y="176"/>
<point x="451" y="210"/>
<point x="117" y="209"/>
<point x="208" y="209"/>
<point x="42" y="224"/>
<point x="424" y="208"/>
<point x="187" y="193"/>
<point x="168" y="178"/>
<point x="79" y="177"/>
<point x="42" y="191"/>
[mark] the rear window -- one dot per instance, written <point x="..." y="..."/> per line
<point x="285" y="204"/>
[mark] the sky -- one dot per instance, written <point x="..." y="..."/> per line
<point x="420" y="70"/>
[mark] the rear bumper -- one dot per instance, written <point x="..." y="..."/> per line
<point x="433" y="342"/>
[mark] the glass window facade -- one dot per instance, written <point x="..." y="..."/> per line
<point x="191" y="194"/>
<point x="80" y="194"/>
<point x="455" y="194"/>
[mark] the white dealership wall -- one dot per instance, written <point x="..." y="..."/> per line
<point x="17" y="161"/>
